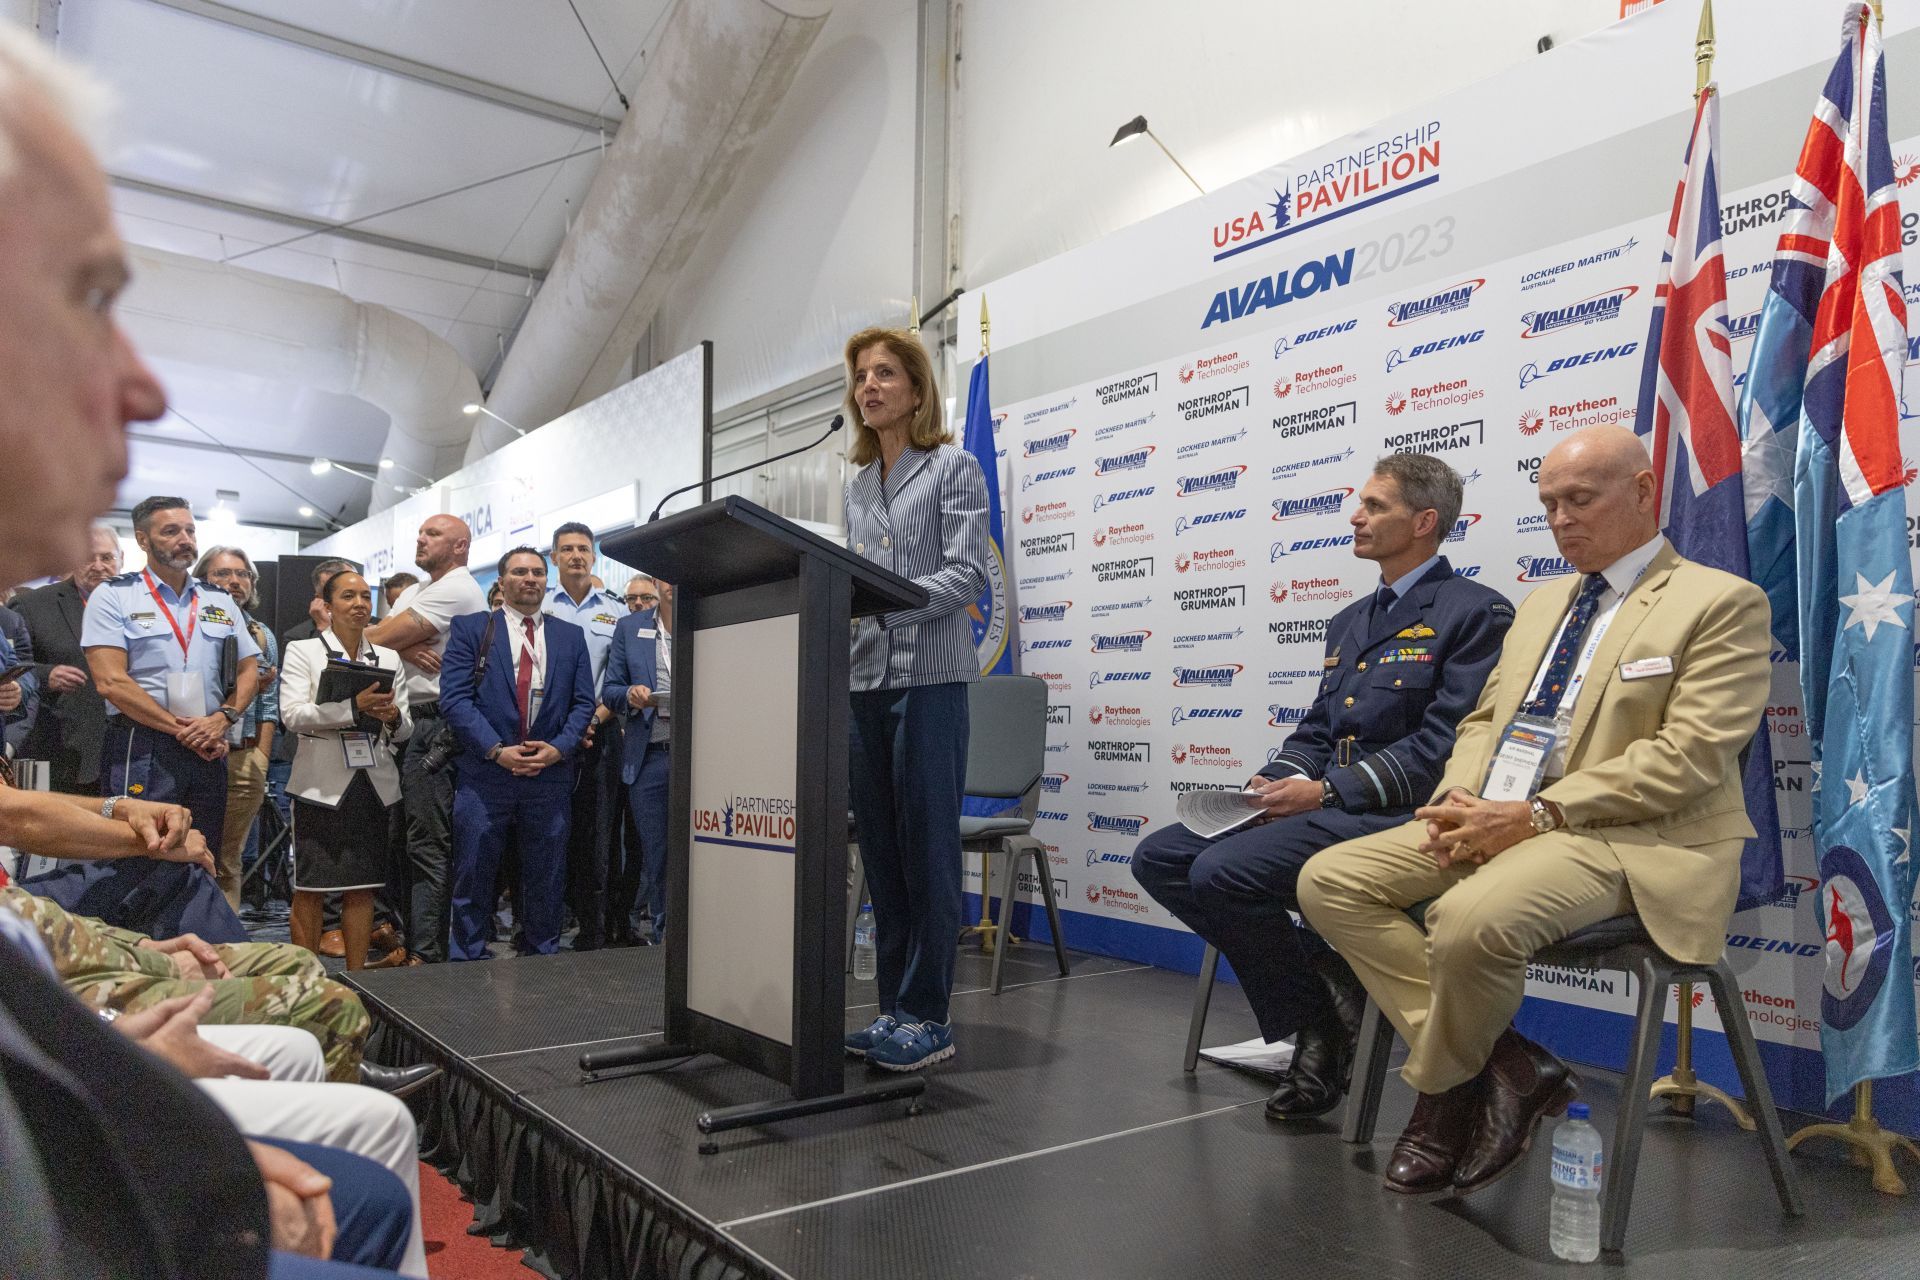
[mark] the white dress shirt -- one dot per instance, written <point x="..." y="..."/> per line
<point x="1621" y="576"/>
<point x="517" y="639"/>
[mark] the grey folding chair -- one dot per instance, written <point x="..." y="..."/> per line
<point x="1006" y="754"/>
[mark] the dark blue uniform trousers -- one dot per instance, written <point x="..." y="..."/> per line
<point x="907" y="768"/>
<point x="639" y="881"/>
<point x="594" y="828"/>
<point x="1237" y="891"/>
<point x="487" y="813"/>
<point x="161" y="899"/>
<point x="371" y="1208"/>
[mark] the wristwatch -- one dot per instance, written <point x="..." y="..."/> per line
<point x="232" y="715"/>
<point x="107" y="806"/>
<point x="1329" y="798"/>
<point x="1545" y="816"/>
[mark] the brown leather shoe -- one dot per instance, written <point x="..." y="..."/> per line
<point x="333" y="943"/>
<point x="385" y="938"/>
<point x="394" y="959"/>
<point x="1523" y="1083"/>
<point x="1423" y="1160"/>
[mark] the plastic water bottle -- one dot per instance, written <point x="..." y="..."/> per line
<point x="1575" y="1223"/>
<point x="863" y="966"/>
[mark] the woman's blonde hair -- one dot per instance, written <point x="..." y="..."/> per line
<point x="928" y="427"/>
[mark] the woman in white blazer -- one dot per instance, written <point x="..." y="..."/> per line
<point x="344" y="777"/>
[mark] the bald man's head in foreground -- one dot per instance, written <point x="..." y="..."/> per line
<point x="1598" y="491"/>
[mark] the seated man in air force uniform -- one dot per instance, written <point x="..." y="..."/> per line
<point x="1403" y="665"/>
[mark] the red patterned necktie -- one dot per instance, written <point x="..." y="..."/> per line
<point x="523" y="683"/>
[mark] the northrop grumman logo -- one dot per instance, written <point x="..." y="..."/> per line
<point x="1324" y="503"/>
<point x="1212" y="482"/>
<point x="1048" y="444"/>
<point x="1126" y="824"/>
<point x="1134" y="460"/>
<point x="1182" y="714"/>
<point x="1541" y="568"/>
<point x="1216" y="677"/>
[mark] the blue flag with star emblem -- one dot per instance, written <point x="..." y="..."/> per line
<point x="1856" y="583"/>
<point x="988" y="614"/>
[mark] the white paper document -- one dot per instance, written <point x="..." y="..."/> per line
<point x="1214" y="813"/>
<point x="1255" y="1055"/>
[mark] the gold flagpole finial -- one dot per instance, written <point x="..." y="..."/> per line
<point x="1879" y="18"/>
<point x="913" y="314"/>
<point x="985" y="327"/>
<point x="1703" y="50"/>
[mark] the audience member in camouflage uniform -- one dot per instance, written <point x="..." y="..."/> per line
<point x="253" y="982"/>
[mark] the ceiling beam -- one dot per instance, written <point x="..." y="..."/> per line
<point x="303" y="461"/>
<point x="318" y="227"/>
<point x="393" y="63"/>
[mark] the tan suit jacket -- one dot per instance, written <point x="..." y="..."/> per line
<point x="1652" y="763"/>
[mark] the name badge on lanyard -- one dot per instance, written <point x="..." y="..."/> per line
<point x="1520" y="761"/>
<point x="358" y="748"/>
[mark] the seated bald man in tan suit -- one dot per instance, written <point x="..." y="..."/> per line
<point x="1632" y="689"/>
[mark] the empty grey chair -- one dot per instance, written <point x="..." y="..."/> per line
<point x="1006" y="754"/>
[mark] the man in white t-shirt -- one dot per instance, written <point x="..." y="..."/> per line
<point x="417" y="628"/>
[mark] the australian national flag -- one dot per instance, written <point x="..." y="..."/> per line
<point x="988" y="614"/>
<point x="1686" y="410"/>
<point x="1855" y="578"/>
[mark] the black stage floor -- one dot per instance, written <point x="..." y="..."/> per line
<point x="1063" y="1140"/>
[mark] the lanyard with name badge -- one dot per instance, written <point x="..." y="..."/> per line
<point x="355" y="744"/>
<point x="1520" y="760"/>
<point x="186" y="690"/>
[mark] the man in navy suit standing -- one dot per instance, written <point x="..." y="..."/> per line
<point x="1403" y="664"/>
<point x="516" y="688"/>
<point x="636" y="690"/>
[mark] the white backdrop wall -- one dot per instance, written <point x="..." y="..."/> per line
<point x="1186" y="407"/>
<point x="815" y="240"/>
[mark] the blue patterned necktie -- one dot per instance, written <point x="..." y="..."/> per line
<point x="1579" y="620"/>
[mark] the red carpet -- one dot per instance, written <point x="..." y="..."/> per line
<point x="452" y="1254"/>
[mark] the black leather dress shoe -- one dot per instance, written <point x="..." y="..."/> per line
<point x="1523" y="1083"/>
<point x="1323" y="1050"/>
<point x="401" y="1082"/>
<point x="1424" y="1159"/>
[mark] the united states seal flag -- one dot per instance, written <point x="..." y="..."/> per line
<point x="1854" y="577"/>
<point x="1686" y="415"/>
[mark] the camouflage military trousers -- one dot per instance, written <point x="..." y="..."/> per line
<point x="273" y="983"/>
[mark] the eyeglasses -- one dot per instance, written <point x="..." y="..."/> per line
<point x="221" y="574"/>
<point x="648" y="598"/>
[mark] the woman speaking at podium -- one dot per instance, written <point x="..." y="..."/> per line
<point x="916" y="506"/>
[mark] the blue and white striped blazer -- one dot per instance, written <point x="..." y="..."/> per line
<point x="927" y="523"/>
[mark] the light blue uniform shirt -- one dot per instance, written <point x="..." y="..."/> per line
<point x="596" y="615"/>
<point x="122" y="614"/>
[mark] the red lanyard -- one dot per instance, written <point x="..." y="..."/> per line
<point x="186" y="639"/>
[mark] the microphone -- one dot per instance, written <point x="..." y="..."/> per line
<point x="839" y="421"/>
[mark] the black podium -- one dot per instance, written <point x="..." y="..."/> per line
<point x="757" y="833"/>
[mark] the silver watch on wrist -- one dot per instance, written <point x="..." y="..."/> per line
<point x="106" y="806"/>
<point x="1543" y="816"/>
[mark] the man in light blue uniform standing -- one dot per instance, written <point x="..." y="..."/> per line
<point x="596" y="785"/>
<point x="154" y="641"/>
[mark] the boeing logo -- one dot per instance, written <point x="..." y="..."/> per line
<point x="1395" y="359"/>
<point x="1027" y="482"/>
<point x="1531" y="372"/>
<point x="1308" y="544"/>
<point x="1181" y="714"/>
<point x="1281" y="346"/>
<point x="1120" y="495"/>
<point x="1183" y="523"/>
<point x="1097" y="678"/>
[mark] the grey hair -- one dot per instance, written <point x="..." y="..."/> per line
<point x="214" y="553"/>
<point x="84" y="103"/>
<point x="1426" y="483"/>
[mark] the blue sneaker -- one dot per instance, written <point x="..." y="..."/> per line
<point x="859" y="1043"/>
<point x="913" y="1045"/>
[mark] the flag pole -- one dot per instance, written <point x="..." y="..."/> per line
<point x="984" y="930"/>
<point x="1682" y="1086"/>
<point x="913" y="313"/>
<point x="1872" y="1146"/>
<point x="985" y="327"/>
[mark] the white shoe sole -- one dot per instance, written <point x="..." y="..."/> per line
<point x="938" y="1055"/>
